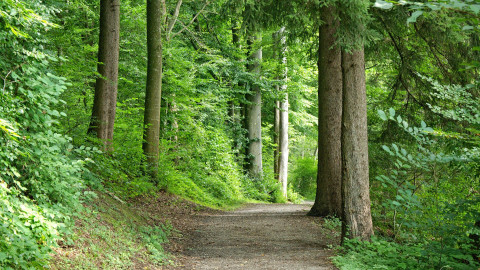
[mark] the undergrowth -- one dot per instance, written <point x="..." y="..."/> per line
<point x="110" y="234"/>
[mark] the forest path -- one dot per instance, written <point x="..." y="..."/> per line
<point x="259" y="236"/>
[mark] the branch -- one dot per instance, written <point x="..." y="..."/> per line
<point x="5" y="79"/>
<point x="172" y="22"/>
<point x="190" y="23"/>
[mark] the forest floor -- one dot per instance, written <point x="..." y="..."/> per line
<point x="113" y="234"/>
<point x="258" y="236"/>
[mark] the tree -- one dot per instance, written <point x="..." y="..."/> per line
<point x="253" y="112"/>
<point x="105" y="101"/>
<point x="281" y="114"/>
<point x="329" y="176"/>
<point x="357" y="219"/>
<point x="156" y="13"/>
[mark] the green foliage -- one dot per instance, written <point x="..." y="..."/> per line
<point x="27" y="232"/>
<point x="383" y="254"/>
<point x="421" y="206"/>
<point x="41" y="173"/>
<point x="303" y="178"/>
<point x="110" y="234"/>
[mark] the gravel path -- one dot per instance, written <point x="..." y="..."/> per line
<point x="259" y="236"/>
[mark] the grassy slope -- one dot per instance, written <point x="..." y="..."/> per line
<point x="111" y="234"/>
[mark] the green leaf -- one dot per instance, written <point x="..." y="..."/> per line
<point x="414" y="16"/>
<point x="383" y="5"/>
<point x="475" y="8"/>
<point x="382" y="115"/>
<point x="392" y="112"/>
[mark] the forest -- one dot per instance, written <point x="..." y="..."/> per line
<point x="124" y="124"/>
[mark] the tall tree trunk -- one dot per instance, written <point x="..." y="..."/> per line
<point x="357" y="219"/>
<point x="254" y="116"/>
<point x="282" y="108"/>
<point x="105" y="101"/>
<point x="283" y="159"/>
<point x="276" y="135"/>
<point x="151" y="126"/>
<point x="328" y="201"/>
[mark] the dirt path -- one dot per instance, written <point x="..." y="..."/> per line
<point x="259" y="236"/>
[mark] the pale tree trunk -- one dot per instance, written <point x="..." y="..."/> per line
<point x="276" y="111"/>
<point x="276" y="135"/>
<point x="254" y="117"/>
<point x="283" y="115"/>
<point x="156" y="10"/>
<point x="328" y="201"/>
<point x="357" y="219"/>
<point x="283" y="159"/>
<point x="105" y="100"/>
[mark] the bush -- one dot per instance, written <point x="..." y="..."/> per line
<point x="303" y="178"/>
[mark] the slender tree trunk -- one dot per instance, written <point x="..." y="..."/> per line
<point x="357" y="219"/>
<point x="105" y="101"/>
<point x="155" y="22"/>
<point x="282" y="113"/>
<point x="276" y="135"/>
<point x="254" y="117"/>
<point x="328" y="201"/>
<point x="283" y="159"/>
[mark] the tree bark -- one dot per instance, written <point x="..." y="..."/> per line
<point x="276" y="135"/>
<point x="254" y="117"/>
<point x="357" y="219"/>
<point x="282" y="106"/>
<point x="328" y="200"/>
<point x="151" y="126"/>
<point x="105" y="100"/>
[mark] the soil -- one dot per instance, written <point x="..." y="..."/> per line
<point x="257" y="236"/>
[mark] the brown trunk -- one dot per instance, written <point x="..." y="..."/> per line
<point x="357" y="219"/>
<point x="155" y="22"/>
<point x="328" y="201"/>
<point x="105" y="100"/>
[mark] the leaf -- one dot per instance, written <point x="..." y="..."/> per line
<point x="475" y="8"/>
<point x="414" y="16"/>
<point x="383" y="5"/>
<point x="382" y="115"/>
<point x="387" y="149"/>
<point x="424" y="125"/>
<point x="392" y="112"/>
<point x="467" y="27"/>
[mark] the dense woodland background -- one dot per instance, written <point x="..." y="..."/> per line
<point x="422" y="63"/>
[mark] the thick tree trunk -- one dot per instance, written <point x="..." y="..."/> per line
<point x="357" y="219"/>
<point x="254" y="118"/>
<point x="155" y="21"/>
<point x="328" y="201"/>
<point x="105" y="101"/>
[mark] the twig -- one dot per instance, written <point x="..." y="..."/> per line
<point x="172" y="22"/>
<point x="191" y="21"/>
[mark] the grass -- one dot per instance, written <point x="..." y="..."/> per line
<point x="110" y="234"/>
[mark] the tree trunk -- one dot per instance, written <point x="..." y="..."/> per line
<point x="105" y="100"/>
<point x="151" y="126"/>
<point x="282" y="106"/>
<point x="328" y="201"/>
<point x="254" y="117"/>
<point x="283" y="159"/>
<point x="276" y="135"/>
<point x="357" y="219"/>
